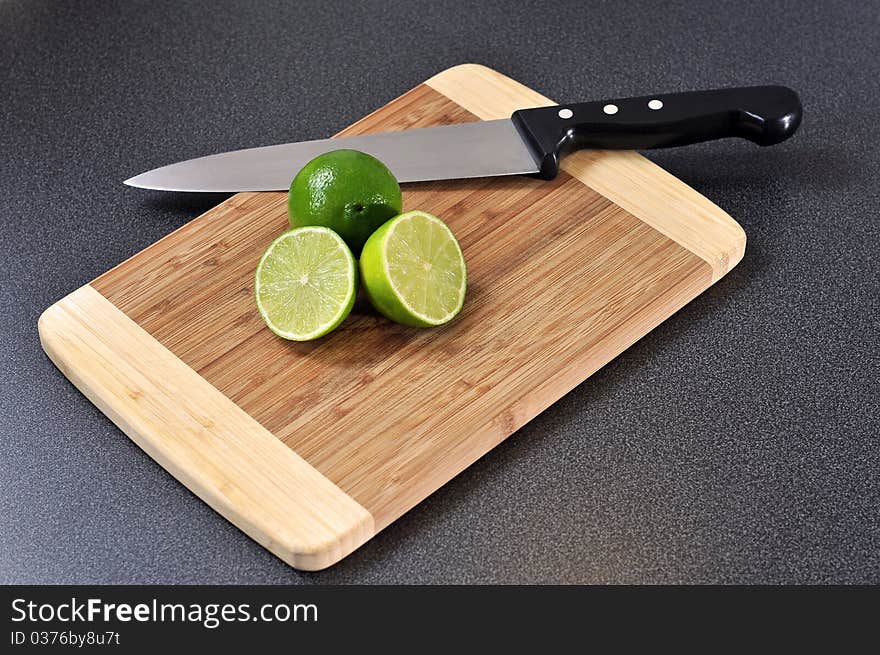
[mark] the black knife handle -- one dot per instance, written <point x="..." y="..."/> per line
<point x="763" y="114"/>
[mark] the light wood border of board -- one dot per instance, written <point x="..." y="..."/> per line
<point x="663" y="201"/>
<point x="200" y="436"/>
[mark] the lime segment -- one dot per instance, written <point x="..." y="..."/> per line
<point x="306" y="283"/>
<point x="413" y="270"/>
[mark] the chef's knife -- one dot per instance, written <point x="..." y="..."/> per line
<point x="531" y="141"/>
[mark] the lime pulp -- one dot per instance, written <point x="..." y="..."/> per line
<point x="306" y="283"/>
<point x="414" y="271"/>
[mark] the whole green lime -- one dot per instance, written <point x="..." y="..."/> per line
<point x="348" y="191"/>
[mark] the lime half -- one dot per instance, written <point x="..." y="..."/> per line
<point x="413" y="270"/>
<point x="306" y="283"/>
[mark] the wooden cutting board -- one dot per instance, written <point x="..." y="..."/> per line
<point x="313" y="448"/>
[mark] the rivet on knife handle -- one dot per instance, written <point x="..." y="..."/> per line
<point x="765" y="115"/>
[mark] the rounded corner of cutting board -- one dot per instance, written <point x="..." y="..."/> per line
<point x="47" y="335"/>
<point x="200" y="436"/>
<point x="466" y="69"/>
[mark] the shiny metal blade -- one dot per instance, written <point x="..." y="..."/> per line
<point x="480" y="149"/>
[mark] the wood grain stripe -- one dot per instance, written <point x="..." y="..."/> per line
<point x="201" y="437"/>
<point x="663" y="201"/>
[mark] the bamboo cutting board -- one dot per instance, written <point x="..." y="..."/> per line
<point x="312" y="448"/>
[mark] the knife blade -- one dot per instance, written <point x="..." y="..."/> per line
<point x="531" y="141"/>
<point x="479" y="149"/>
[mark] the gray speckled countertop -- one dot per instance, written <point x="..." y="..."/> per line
<point x="738" y="442"/>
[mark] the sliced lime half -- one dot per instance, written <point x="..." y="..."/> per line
<point x="413" y="270"/>
<point x="306" y="283"/>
